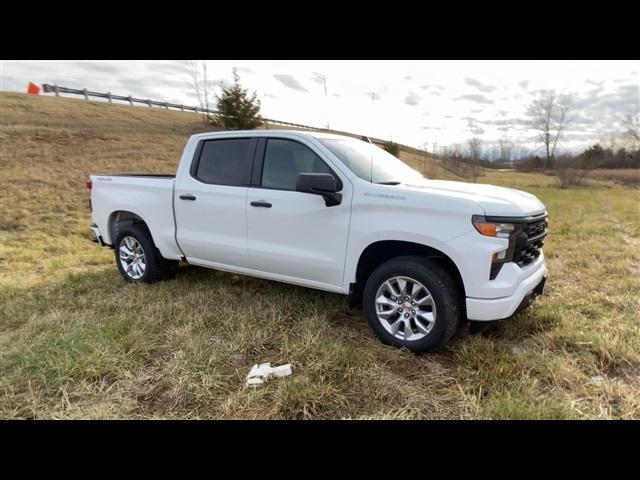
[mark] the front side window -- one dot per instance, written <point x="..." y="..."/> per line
<point x="226" y="162"/>
<point x="285" y="159"/>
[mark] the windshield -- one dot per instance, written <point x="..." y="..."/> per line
<point x="371" y="163"/>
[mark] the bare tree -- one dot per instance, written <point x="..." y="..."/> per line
<point x="506" y="148"/>
<point x="632" y="123"/>
<point x="549" y="117"/>
<point x="475" y="149"/>
<point x="523" y="152"/>
<point x="199" y="83"/>
<point x="425" y="147"/>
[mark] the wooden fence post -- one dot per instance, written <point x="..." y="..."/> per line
<point x="130" y="101"/>
<point x="109" y="96"/>
<point x="55" y="89"/>
<point x="149" y="102"/>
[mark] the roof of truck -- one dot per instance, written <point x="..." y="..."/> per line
<point x="262" y="133"/>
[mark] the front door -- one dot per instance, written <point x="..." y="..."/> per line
<point x="291" y="233"/>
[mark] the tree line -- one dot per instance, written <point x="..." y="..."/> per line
<point x="549" y="116"/>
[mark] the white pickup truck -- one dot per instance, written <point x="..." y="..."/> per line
<point x="333" y="213"/>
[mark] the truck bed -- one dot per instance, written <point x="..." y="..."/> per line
<point x="146" y="195"/>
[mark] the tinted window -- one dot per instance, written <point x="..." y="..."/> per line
<point x="285" y="159"/>
<point x="226" y="162"/>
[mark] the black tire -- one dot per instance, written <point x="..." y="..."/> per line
<point x="157" y="268"/>
<point x="442" y="289"/>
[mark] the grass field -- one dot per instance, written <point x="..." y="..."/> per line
<point x="78" y="342"/>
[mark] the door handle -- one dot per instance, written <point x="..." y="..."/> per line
<point x="261" y="203"/>
<point x="187" y="197"/>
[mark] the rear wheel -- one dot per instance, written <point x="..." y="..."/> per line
<point x="412" y="302"/>
<point x="137" y="257"/>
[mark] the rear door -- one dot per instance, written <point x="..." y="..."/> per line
<point x="291" y="233"/>
<point x="210" y="202"/>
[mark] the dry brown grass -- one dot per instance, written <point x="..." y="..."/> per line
<point x="622" y="176"/>
<point x="78" y="342"/>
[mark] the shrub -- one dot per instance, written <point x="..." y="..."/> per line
<point x="571" y="177"/>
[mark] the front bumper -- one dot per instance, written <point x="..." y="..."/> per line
<point x="504" y="307"/>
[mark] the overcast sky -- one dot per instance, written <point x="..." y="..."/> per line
<point x="411" y="102"/>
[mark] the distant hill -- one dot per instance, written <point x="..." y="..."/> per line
<point x="116" y="137"/>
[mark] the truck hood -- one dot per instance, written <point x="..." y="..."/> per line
<point x="495" y="201"/>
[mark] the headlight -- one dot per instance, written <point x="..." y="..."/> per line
<point x="492" y="229"/>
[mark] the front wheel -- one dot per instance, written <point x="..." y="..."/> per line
<point x="412" y="302"/>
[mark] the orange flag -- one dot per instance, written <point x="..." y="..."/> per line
<point x="33" y="89"/>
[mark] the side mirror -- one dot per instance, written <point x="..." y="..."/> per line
<point x="320" y="184"/>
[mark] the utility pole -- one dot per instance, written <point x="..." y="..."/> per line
<point x="321" y="78"/>
<point x="425" y="147"/>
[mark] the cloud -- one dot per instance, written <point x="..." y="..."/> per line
<point x="136" y="83"/>
<point x="475" y="98"/>
<point x="96" y="67"/>
<point x="479" y="85"/>
<point x="408" y="77"/>
<point x="412" y="99"/>
<point x="506" y="121"/>
<point x="245" y="70"/>
<point x="289" y="81"/>
<point x="426" y="127"/>
<point x="13" y="84"/>
<point x="524" y="84"/>
<point x="432" y="86"/>
<point x="433" y="89"/>
<point x="594" y="82"/>
<point x="373" y="95"/>
<point x="174" y="68"/>
<point x="622" y="99"/>
<point x="136" y="88"/>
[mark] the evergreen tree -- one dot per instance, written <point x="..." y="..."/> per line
<point x="392" y="148"/>
<point x="238" y="110"/>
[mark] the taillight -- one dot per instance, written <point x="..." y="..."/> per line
<point x="89" y="185"/>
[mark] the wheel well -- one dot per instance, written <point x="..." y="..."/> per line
<point x="379" y="252"/>
<point x="120" y="219"/>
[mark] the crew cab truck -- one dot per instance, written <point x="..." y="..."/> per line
<point x="333" y="213"/>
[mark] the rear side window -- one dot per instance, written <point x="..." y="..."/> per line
<point x="285" y="159"/>
<point x="226" y="162"/>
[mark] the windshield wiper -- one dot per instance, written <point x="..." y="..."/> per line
<point x="390" y="182"/>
